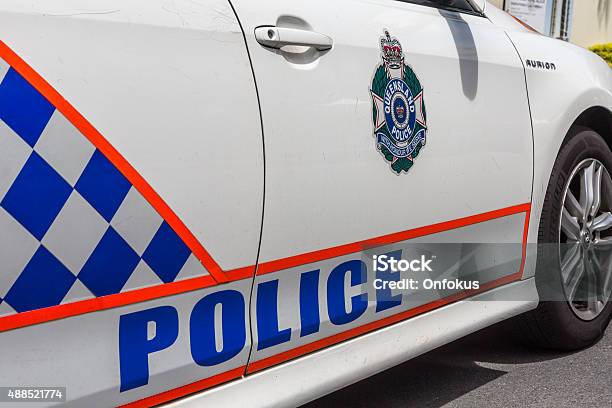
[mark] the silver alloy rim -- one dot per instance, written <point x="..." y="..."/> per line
<point x="585" y="239"/>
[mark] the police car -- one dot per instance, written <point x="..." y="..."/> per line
<point x="240" y="203"/>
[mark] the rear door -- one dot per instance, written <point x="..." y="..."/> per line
<point x="131" y="189"/>
<point x="384" y="121"/>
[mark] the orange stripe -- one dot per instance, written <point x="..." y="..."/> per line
<point x="525" y="236"/>
<point x="240" y="273"/>
<point x="524" y="24"/>
<point x="292" y="261"/>
<point x="103" y="302"/>
<point x="118" y="299"/>
<point x="187" y="389"/>
<point x="114" y="156"/>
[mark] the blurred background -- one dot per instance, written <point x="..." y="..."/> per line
<point x="587" y="23"/>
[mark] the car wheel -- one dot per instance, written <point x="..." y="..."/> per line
<point x="574" y="267"/>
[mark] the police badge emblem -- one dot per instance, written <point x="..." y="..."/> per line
<point x="398" y="109"/>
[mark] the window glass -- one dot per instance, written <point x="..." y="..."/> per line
<point x="453" y="5"/>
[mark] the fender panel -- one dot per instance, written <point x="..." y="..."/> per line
<point x="575" y="81"/>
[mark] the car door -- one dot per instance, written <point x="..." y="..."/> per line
<point x="386" y="124"/>
<point x="131" y="193"/>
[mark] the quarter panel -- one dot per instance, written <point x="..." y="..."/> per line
<point x="580" y="80"/>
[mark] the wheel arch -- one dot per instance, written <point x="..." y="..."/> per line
<point x="597" y="118"/>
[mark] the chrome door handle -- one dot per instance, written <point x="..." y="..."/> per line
<point x="277" y="37"/>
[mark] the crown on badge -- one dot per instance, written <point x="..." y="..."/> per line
<point x="391" y="51"/>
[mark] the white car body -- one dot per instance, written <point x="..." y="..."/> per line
<point x="263" y="163"/>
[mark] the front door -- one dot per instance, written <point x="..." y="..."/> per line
<point x="384" y="121"/>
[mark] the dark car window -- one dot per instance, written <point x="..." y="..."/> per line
<point x="462" y="6"/>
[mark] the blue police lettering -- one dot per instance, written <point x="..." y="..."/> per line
<point x="208" y="349"/>
<point x="268" y="332"/>
<point x="335" y="292"/>
<point x="135" y="346"/>
<point x="309" y="303"/>
<point x="202" y="328"/>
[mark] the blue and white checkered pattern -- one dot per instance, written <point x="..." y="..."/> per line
<point x="72" y="227"/>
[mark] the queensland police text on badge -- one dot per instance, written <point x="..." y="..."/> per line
<point x="398" y="115"/>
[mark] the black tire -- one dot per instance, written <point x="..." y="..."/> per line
<point x="554" y="325"/>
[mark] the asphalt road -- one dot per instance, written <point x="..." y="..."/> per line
<point x="487" y="369"/>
